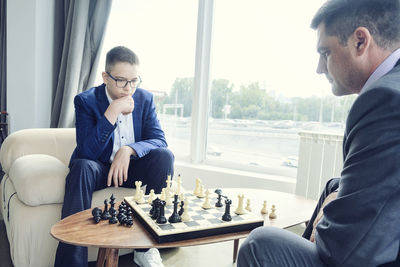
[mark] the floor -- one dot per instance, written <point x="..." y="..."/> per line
<point x="218" y="255"/>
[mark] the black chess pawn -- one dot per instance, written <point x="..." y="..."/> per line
<point x="113" y="218"/>
<point x="129" y="219"/>
<point x="161" y="216"/>
<point x="96" y="212"/>
<point x="121" y="218"/>
<point x="174" y="218"/>
<point x="106" y="214"/>
<point x="227" y="216"/>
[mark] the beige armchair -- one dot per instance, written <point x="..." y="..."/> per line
<point x="32" y="191"/>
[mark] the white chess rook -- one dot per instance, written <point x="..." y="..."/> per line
<point x="240" y="210"/>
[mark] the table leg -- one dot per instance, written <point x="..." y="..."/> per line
<point x="235" y="249"/>
<point x="107" y="257"/>
<point x="112" y="259"/>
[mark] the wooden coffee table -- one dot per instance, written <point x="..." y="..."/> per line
<point x="79" y="229"/>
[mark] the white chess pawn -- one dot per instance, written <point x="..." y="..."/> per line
<point x="138" y="184"/>
<point x="151" y="196"/>
<point x="248" y="205"/>
<point x="264" y="208"/>
<point x="239" y="210"/>
<point x="162" y="196"/>
<point x="206" y="204"/>
<point x="272" y="215"/>
<point x="201" y="192"/>
<point x="140" y="199"/>
<point x="185" y="217"/>
<point x="197" y="187"/>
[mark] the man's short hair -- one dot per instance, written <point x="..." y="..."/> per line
<point x="343" y="17"/>
<point x="120" y="54"/>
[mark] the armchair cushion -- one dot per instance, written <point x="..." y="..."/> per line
<point x="39" y="179"/>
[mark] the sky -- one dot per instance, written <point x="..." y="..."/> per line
<point x="269" y="42"/>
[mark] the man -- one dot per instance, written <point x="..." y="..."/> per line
<point x="358" y="43"/>
<point x="119" y="141"/>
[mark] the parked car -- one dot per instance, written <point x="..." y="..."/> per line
<point x="291" y="161"/>
<point x="213" y="151"/>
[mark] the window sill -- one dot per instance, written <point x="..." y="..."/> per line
<point x="217" y="177"/>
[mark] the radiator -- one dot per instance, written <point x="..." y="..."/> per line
<point x="320" y="159"/>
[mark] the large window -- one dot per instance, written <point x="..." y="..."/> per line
<point x="264" y="87"/>
<point x="262" y="90"/>
<point x="163" y="35"/>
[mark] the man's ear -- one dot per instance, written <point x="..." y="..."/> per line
<point x="361" y="40"/>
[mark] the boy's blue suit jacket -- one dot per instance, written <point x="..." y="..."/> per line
<point x="94" y="133"/>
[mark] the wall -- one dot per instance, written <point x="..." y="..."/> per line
<point x="30" y="33"/>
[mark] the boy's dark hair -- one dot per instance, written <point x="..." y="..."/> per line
<point x="120" y="54"/>
<point x="343" y="17"/>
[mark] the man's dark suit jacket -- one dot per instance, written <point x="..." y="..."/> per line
<point x="94" y="133"/>
<point x="362" y="226"/>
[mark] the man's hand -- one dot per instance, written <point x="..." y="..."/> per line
<point x="119" y="167"/>
<point x="124" y="105"/>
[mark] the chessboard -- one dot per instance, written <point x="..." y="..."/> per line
<point x="203" y="223"/>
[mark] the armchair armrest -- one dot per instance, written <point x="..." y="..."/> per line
<point x="39" y="179"/>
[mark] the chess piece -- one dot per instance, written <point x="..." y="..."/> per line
<point x="201" y="192"/>
<point x="248" y="208"/>
<point x="178" y="189"/>
<point x="129" y="219"/>
<point x="174" y="218"/>
<point x="180" y="212"/>
<point x="168" y="181"/>
<point x="272" y="215"/>
<point x="264" y="208"/>
<point x="185" y="215"/>
<point x="138" y="184"/>
<point x="155" y="208"/>
<point x="168" y="199"/>
<point x="227" y="216"/>
<point x="122" y="212"/>
<point x="162" y="196"/>
<point x="197" y="188"/>
<point x="219" y="202"/>
<point x="106" y="214"/>
<point x="113" y="218"/>
<point x="206" y="204"/>
<point x="113" y="212"/>
<point x="140" y="199"/>
<point x="96" y="212"/>
<point x="240" y="210"/>
<point x="161" y="216"/>
<point x="151" y="196"/>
